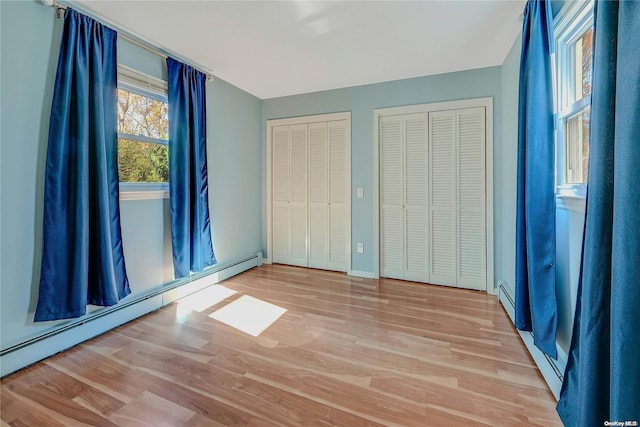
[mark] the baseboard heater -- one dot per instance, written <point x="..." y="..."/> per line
<point x="551" y="372"/>
<point x="74" y="332"/>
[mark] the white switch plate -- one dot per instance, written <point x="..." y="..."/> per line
<point x="360" y="192"/>
<point x="360" y="248"/>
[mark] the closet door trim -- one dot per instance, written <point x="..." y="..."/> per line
<point x="346" y="116"/>
<point x="487" y="103"/>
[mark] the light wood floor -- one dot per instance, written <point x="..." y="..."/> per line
<point x="348" y="351"/>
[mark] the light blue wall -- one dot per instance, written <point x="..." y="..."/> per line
<point x="234" y="160"/>
<point x="569" y="229"/>
<point x="25" y="92"/>
<point x="505" y="172"/>
<point x="361" y="102"/>
<point x="141" y="59"/>
<point x="30" y="36"/>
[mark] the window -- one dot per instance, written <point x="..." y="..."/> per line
<point x="573" y="67"/>
<point x="143" y="131"/>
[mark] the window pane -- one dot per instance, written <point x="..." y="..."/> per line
<point x="586" y="125"/>
<point x="583" y="64"/>
<point x="142" y="162"/>
<point x="139" y="115"/>
<point x="577" y="147"/>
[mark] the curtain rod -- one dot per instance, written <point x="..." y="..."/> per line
<point x="131" y="39"/>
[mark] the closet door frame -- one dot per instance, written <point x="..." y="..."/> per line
<point x="487" y="103"/>
<point x="308" y="120"/>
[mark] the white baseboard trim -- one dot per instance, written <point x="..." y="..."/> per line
<point x="550" y="369"/>
<point x="44" y="347"/>
<point x="69" y="334"/>
<point x="363" y="274"/>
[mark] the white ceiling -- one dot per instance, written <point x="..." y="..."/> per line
<point x="278" y="48"/>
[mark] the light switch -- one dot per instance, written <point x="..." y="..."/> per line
<point x="360" y="248"/>
<point x="360" y="192"/>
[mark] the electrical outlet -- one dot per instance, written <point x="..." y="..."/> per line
<point x="360" y="248"/>
<point x="359" y="192"/>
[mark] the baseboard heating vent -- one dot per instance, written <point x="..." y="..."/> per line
<point x="548" y="367"/>
<point x="74" y="332"/>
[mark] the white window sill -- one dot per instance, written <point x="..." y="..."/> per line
<point x="143" y="191"/>
<point x="572" y="197"/>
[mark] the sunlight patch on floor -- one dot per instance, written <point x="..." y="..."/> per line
<point x="200" y="301"/>
<point x="248" y="314"/>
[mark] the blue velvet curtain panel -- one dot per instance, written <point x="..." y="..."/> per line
<point x="536" y="307"/>
<point x="602" y="378"/>
<point x="188" y="185"/>
<point x="82" y="259"/>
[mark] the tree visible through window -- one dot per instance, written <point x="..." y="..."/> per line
<point x="143" y="126"/>
<point x="583" y="62"/>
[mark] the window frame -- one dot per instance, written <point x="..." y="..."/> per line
<point x="571" y="23"/>
<point x="142" y="84"/>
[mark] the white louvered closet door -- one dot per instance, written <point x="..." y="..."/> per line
<point x="403" y="218"/>
<point x="442" y="194"/>
<point x="337" y="198"/>
<point x="416" y="230"/>
<point x="391" y="197"/>
<point x="280" y="194"/>
<point x="458" y="197"/>
<point x="471" y="198"/>
<point x="318" y="196"/>
<point x="298" y="204"/>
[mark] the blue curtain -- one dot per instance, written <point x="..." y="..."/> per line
<point x="602" y="378"/>
<point x="188" y="187"/>
<point x="536" y="308"/>
<point x="82" y="259"/>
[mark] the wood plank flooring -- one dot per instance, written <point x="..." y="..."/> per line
<point x="347" y="351"/>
